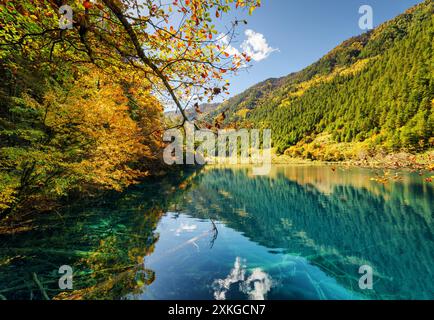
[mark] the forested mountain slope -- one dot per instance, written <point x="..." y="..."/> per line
<point x="376" y="89"/>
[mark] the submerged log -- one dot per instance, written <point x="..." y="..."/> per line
<point x="41" y="287"/>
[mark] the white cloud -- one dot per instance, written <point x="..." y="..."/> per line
<point x="256" y="45"/>
<point x="237" y="274"/>
<point x="256" y="286"/>
<point x="224" y="42"/>
<point x="185" y="228"/>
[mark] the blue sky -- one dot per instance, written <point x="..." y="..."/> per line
<point x="303" y="31"/>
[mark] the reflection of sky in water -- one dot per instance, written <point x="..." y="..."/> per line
<point x="186" y="267"/>
<point x="185" y="228"/>
<point x="300" y="233"/>
<point x="256" y="286"/>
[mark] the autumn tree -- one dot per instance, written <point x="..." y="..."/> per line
<point x="81" y="107"/>
<point x="173" y="45"/>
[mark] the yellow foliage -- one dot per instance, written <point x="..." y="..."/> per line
<point x="243" y="113"/>
<point x="106" y="146"/>
<point x="341" y="71"/>
<point x="116" y="138"/>
<point x="7" y="197"/>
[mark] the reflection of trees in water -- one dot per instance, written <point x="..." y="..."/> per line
<point x="338" y="231"/>
<point x="104" y="243"/>
<point x="115" y="267"/>
<point x="338" y="227"/>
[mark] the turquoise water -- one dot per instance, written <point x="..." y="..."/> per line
<point x="301" y="232"/>
<point x="234" y="268"/>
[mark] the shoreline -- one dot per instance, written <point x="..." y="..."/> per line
<point x="415" y="162"/>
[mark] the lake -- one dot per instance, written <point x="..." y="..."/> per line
<point x="301" y="232"/>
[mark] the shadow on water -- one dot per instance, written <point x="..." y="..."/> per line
<point x="299" y="233"/>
